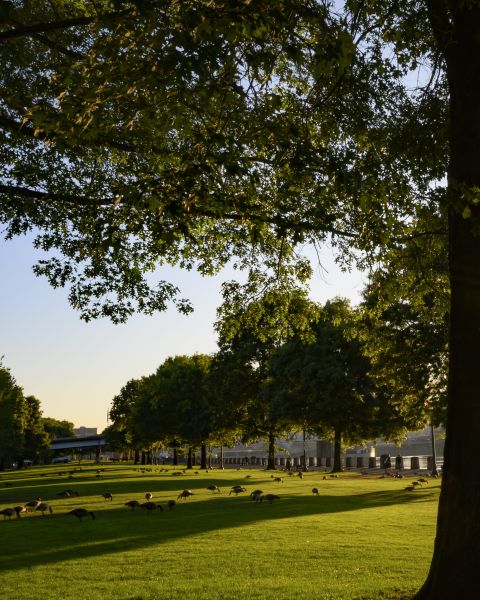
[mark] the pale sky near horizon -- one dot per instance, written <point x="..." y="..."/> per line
<point x="76" y="368"/>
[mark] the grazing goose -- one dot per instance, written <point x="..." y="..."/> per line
<point x="315" y="491"/>
<point x="171" y="504"/>
<point x="107" y="496"/>
<point x="19" y="510"/>
<point x="64" y="494"/>
<point x="81" y="512"/>
<point x="43" y="507"/>
<point x="148" y="496"/>
<point x="132" y="504"/>
<point x="7" y="512"/>
<point x="237" y="489"/>
<point x="270" y="498"/>
<point x="149" y="506"/>
<point x="213" y="488"/>
<point x="185" y="494"/>
<point x="33" y="503"/>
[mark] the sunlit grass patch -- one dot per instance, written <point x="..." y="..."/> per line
<point x="360" y="538"/>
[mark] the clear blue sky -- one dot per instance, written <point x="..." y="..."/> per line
<point x="76" y="368"/>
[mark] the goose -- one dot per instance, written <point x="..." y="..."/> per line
<point x="81" y="512"/>
<point x="149" y="506"/>
<point x="237" y="489"/>
<point x="315" y="491"/>
<point x="7" y="512"/>
<point x="43" y="507"/>
<point x="64" y="494"/>
<point x="171" y="504"/>
<point x="107" y="496"/>
<point x="185" y="494"/>
<point x="19" y="510"/>
<point x="33" y="503"/>
<point x="132" y="504"/>
<point x="213" y="488"/>
<point x="148" y="496"/>
<point x="270" y="498"/>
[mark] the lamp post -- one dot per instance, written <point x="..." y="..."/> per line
<point x="434" y="453"/>
<point x="304" y="452"/>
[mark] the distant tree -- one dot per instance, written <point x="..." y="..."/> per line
<point x="174" y="404"/>
<point x="12" y="419"/>
<point x="407" y="342"/>
<point x="58" y="429"/>
<point x="121" y="415"/>
<point x="249" y="333"/>
<point x="323" y="384"/>
<point x="36" y="437"/>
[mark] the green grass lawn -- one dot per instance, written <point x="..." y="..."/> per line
<point x="362" y="538"/>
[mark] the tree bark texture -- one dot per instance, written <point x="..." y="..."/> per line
<point x="203" y="456"/>
<point x="190" y="458"/>
<point x="454" y="569"/>
<point x="337" y="449"/>
<point x="271" y="451"/>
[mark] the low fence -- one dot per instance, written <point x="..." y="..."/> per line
<point x="348" y="462"/>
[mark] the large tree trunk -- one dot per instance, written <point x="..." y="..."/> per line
<point x="203" y="456"/>
<point x="190" y="458"/>
<point x="454" y="568"/>
<point x="271" y="451"/>
<point x="337" y="450"/>
<point x="222" y="459"/>
<point x="175" y="457"/>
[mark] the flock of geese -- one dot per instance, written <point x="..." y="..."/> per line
<point x="38" y="505"/>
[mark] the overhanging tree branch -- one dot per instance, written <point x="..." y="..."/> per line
<point x="38" y="28"/>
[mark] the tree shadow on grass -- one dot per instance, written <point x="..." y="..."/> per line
<point x="87" y="484"/>
<point x="38" y="540"/>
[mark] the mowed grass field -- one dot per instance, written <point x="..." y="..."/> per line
<point x="363" y="537"/>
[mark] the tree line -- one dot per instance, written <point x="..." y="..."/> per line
<point x="24" y="433"/>
<point x="286" y="364"/>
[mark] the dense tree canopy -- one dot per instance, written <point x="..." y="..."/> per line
<point x="325" y="384"/>
<point x="138" y="134"/>
<point x="24" y="433"/>
<point x="12" y="419"/>
<point x="249" y="331"/>
<point x="57" y="429"/>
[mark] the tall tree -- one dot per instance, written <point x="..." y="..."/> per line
<point x="36" y="437"/>
<point x="324" y="382"/>
<point x="12" y="419"/>
<point x="121" y="415"/>
<point x="407" y="343"/>
<point x="249" y="333"/>
<point x="58" y="429"/>
<point x="174" y="403"/>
